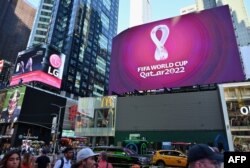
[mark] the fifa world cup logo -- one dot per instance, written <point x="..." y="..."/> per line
<point x="160" y="52"/>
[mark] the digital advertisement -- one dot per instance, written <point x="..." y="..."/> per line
<point x="1" y="65"/>
<point x="192" y="49"/>
<point x="41" y="64"/>
<point x="12" y="105"/>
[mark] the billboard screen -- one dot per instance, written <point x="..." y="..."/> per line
<point x="42" y="64"/>
<point x="1" y="65"/>
<point x="2" y="98"/>
<point x="12" y="105"/>
<point x="197" y="48"/>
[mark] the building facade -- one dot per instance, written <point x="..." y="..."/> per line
<point x="239" y="17"/>
<point x="188" y="9"/>
<point x="40" y="27"/>
<point x="205" y="4"/>
<point x="83" y="31"/>
<point x="16" y="19"/>
<point x="140" y="12"/>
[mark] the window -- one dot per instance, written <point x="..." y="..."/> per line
<point x="105" y="20"/>
<point x="100" y="65"/>
<point x="103" y="42"/>
<point x="78" y="78"/>
<point x="107" y="4"/>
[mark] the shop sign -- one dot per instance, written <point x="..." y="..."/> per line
<point x="27" y="137"/>
<point x="107" y="101"/>
<point x="5" y="136"/>
<point x="245" y="110"/>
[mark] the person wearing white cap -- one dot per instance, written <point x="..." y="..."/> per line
<point x="85" y="159"/>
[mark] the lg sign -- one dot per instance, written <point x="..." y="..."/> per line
<point x="55" y="62"/>
<point x="40" y="64"/>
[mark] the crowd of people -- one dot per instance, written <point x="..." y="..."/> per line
<point x="199" y="156"/>
<point x="84" y="158"/>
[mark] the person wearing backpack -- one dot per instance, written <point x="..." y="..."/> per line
<point x="65" y="161"/>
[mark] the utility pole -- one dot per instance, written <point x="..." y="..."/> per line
<point x="57" y="126"/>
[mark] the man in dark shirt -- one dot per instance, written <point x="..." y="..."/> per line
<point x="43" y="161"/>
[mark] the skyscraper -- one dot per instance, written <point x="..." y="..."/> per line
<point x="239" y="17"/>
<point x="83" y="31"/>
<point x="16" y="19"/>
<point x="40" y="27"/>
<point x="140" y="12"/>
<point x="188" y="9"/>
<point x="205" y="4"/>
<point x="240" y="20"/>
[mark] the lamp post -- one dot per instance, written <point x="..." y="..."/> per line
<point x="57" y="125"/>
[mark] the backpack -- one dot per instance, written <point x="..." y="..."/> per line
<point x="62" y="163"/>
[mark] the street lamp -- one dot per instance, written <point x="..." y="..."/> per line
<point x="57" y="125"/>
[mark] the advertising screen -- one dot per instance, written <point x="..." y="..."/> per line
<point x="70" y="114"/>
<point x="193" y="49"/>
<point x="42" y="64"/>
<point x="2" y="99"/>
<point x="12" y="105"/>
<point x="1" y="65"/>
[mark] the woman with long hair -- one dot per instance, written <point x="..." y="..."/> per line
<point x="12" y="159"/>
<point x="27" y="161"/>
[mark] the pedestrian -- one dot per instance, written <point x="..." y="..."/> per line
<point x="135" y="166"/>
<point x="85" y="159"/>
<point x="65" y="161"/>
<point x="12" y="159"/>
<point x="27" y="161"/>
<point x="43" y="161"/>
<point x="103" y="161"/>
<point x="204" y="156"/>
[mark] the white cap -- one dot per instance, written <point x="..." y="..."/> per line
<point x="84" y="154"/>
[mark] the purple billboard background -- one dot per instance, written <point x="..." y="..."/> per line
<point x="201" y="49"/>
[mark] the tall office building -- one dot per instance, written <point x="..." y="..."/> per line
<point x="83" y="31"/>
<point x="188" y="9"/>
<point x="239" y="17"/>
<point x="205" y="4"/>
<point x="42" y="20"/>
<point x="140" y="12"/>
<point x="16" y="19"/>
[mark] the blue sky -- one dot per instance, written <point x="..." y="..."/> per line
<point x="161" y="9"/>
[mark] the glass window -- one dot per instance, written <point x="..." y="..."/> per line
<point x="105" y="20"/>
<point x="103" y="42"/>
<point x="100" y="65"/>
<point x="107" y="3"/>
<point x="78" y="78"/>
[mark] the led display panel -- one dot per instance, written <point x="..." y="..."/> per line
<point x="12" y="105"/>
<point x="2" y="99"/>
<point x="1" y="65"/>
<point x="193" y="49"/>
<point x="43" y="64"/>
